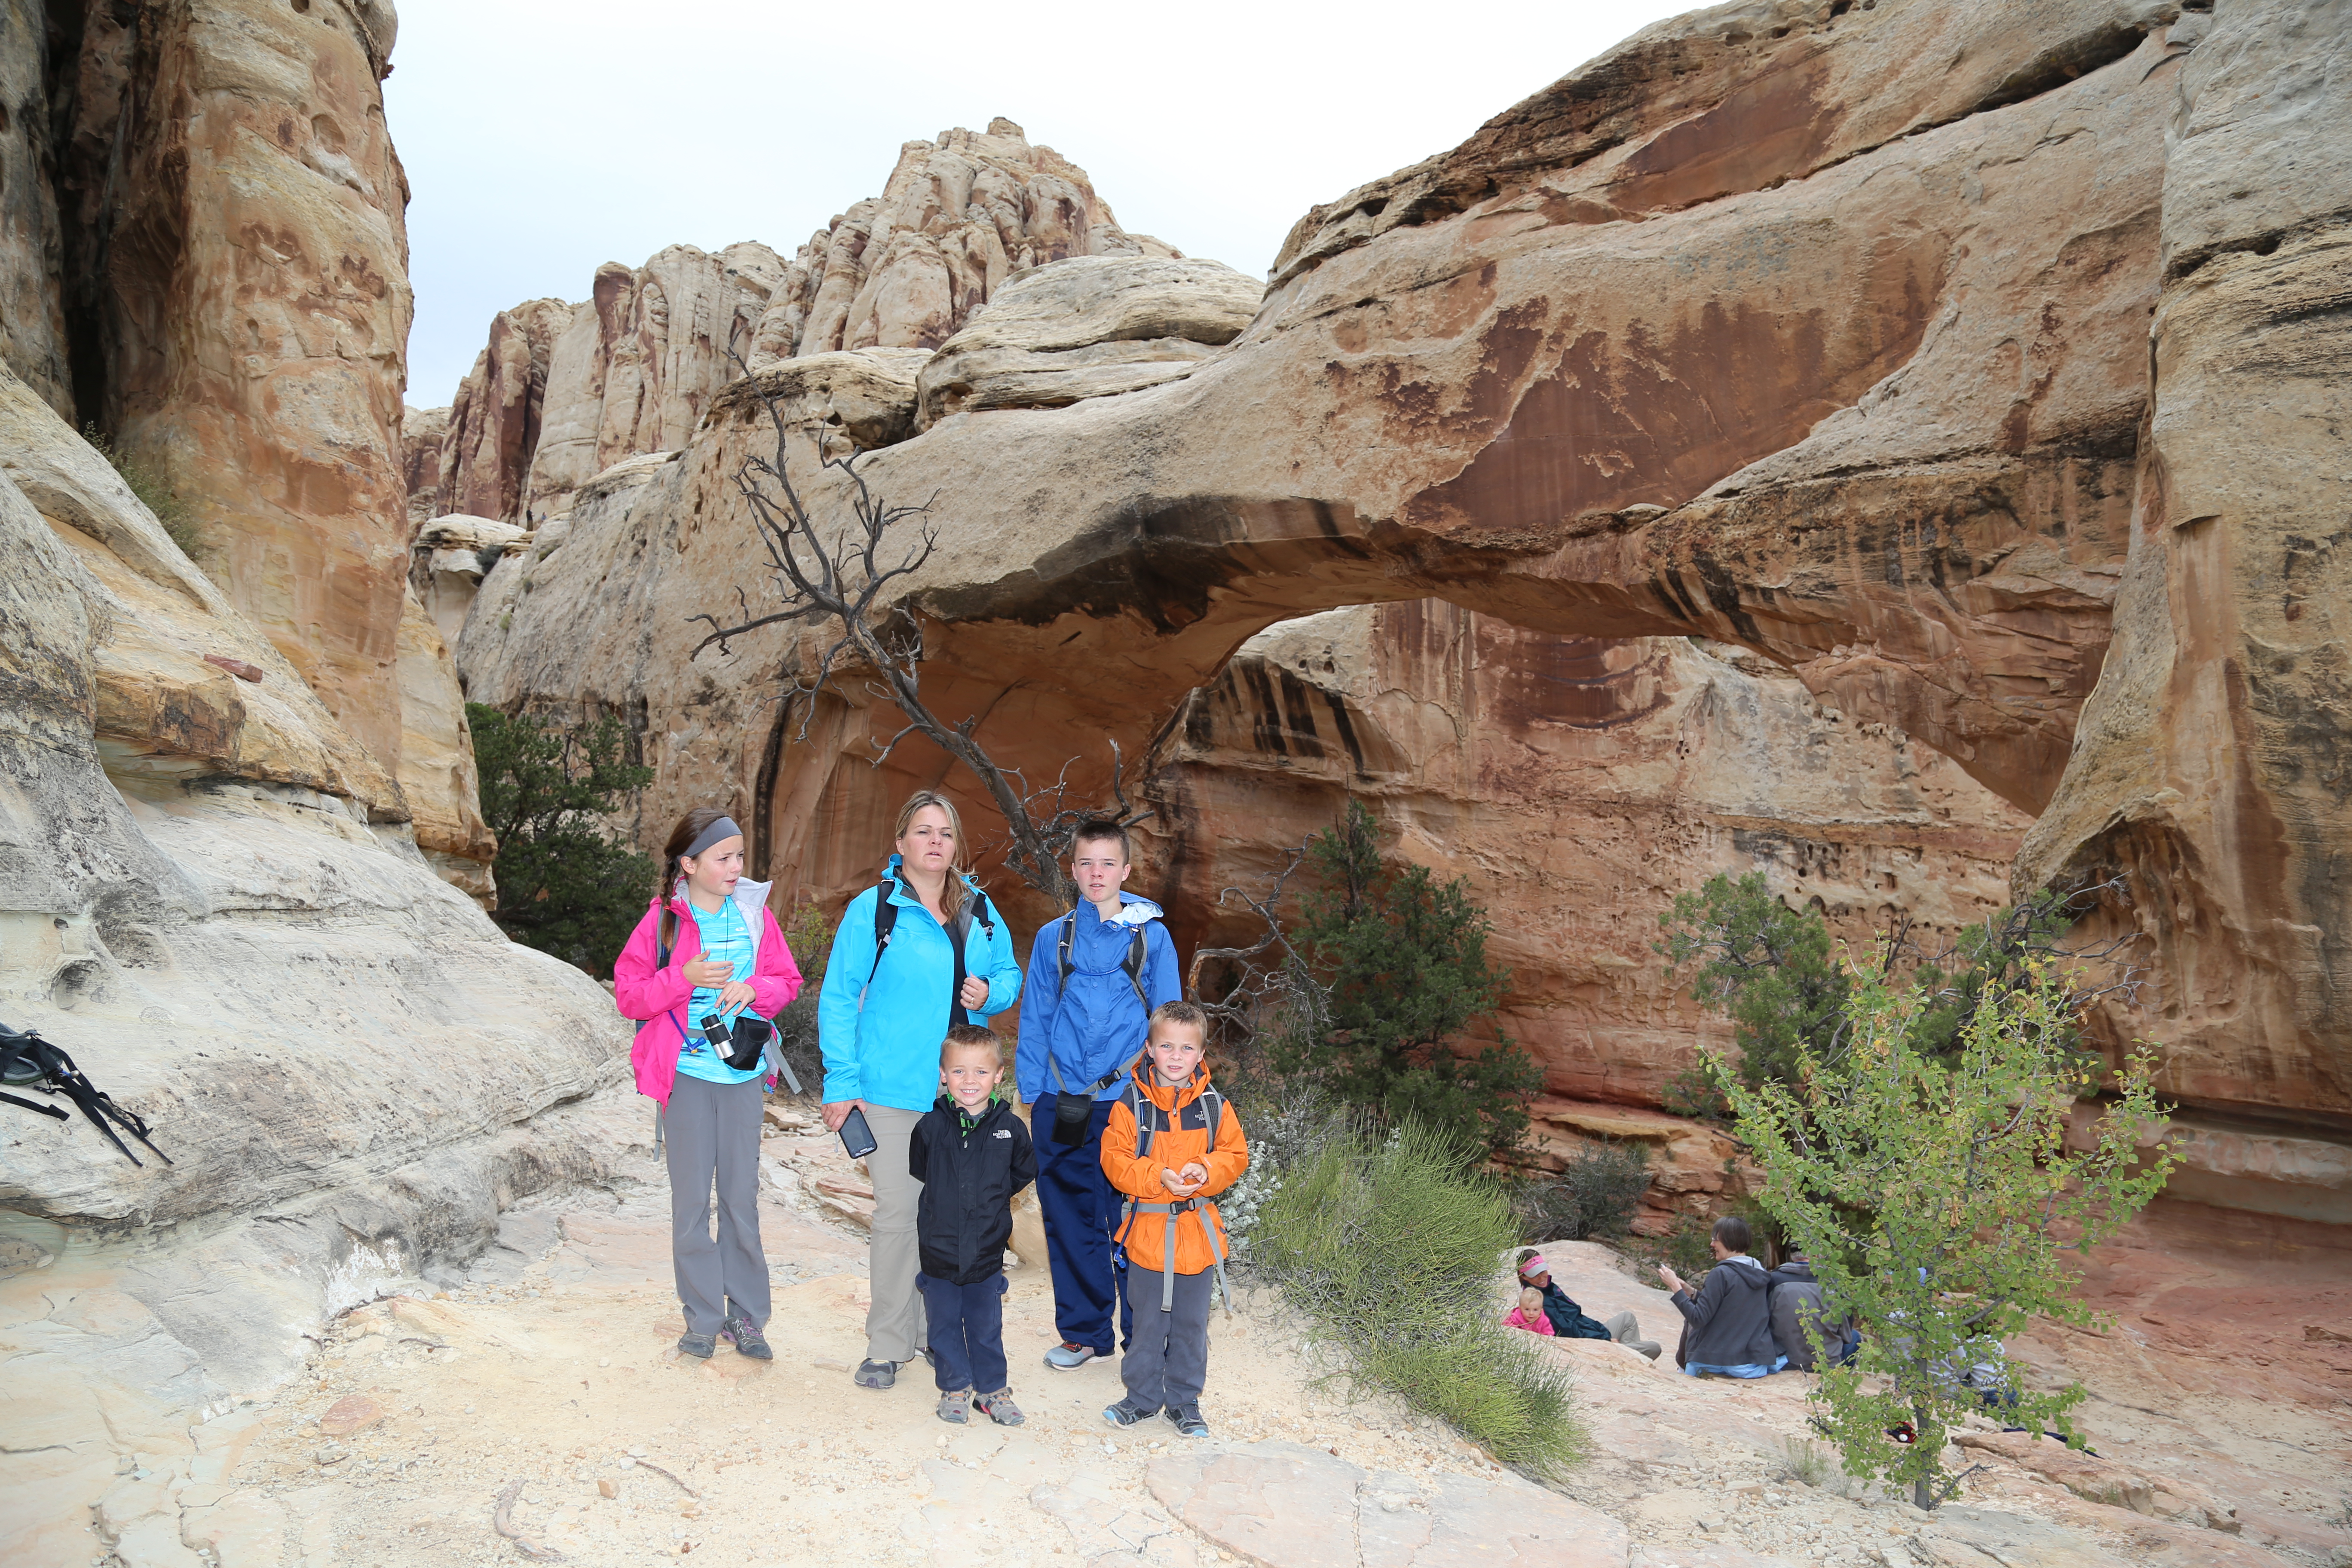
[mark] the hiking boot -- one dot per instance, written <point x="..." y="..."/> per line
<point x="699" y="1346"/>
<point x="1000" y="1407"/>
<point x="1188" y="1421"/>
<point x="876" y="1374"/>
<point x="745" y="1336"/>
<point x="1127" y="1412"/>
<point x="1067" y="1357"/>
<point x="957" y="1407"/>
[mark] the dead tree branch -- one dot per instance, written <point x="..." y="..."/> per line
<point x="840" y="578"/>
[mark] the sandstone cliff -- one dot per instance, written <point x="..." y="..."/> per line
<point x="562" y="393"/>
<point x="1821" y="332"/>
<point x="202" y="255"/>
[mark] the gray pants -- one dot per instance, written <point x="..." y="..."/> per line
<point x="894" y="1323"/>
<point x="712" y="1132"/>
<point x="1167" y="1361"/>
<point x="1626" y="1329"/>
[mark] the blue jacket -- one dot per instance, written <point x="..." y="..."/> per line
<point x="884" y="1046"/>
<point x="1098" y="1026"/>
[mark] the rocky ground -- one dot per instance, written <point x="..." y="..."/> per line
<point x="539" y="1410"/>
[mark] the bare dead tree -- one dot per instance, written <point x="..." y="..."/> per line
<point x="1267" y="978"/>
<point x="841" y="581"/>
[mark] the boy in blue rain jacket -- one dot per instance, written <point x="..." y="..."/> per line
<point x="1094" y="976"/>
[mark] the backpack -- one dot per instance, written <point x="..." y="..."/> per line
<point x="1132" y="965"/>
<point x="1213" y="1110"/>
<point x="28" y="1061"/>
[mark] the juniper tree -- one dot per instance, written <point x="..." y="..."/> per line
<point x="567" y="884"/>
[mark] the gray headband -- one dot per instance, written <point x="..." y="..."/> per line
<point x="723" y="828"/>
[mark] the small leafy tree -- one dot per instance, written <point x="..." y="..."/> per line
<point x="1402" y="973"/>
<point x="1938" y="1197"/>
<point x="1766" y="967"/>
<point x="567" y="884"/>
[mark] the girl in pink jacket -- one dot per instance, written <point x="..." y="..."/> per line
<point x="705" y="972"/>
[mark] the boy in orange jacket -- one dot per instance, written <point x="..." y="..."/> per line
<point x="1171" y="1143"/>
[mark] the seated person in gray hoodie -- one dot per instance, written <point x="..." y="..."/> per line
<point x="1728" y="1323"/>
<point x="1796" y="1300"/>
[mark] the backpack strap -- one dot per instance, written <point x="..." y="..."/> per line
<point x="1134" y="967"/>
<point x="886" y="921"/>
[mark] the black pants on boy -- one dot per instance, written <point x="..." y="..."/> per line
<point x="967" y="1332"/>
<point x="1167" y="1361"/>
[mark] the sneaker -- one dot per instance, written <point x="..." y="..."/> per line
<point x="1000" y="1407"/>
<point x="745" y="1336"/>
<point x="1127" y="1412"/>
<point x="699" y="1346"/>
<point x="876" y="1374"/>
<point x="957" y="1407"/>
<point x="1188" y="1421"/>
<point x="1067" y="1357"/>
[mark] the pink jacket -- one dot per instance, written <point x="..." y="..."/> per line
<point x="656" y="996"/>
<point x="1535" y="1323"/>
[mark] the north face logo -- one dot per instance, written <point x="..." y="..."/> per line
<point x="1004" y="1132"/>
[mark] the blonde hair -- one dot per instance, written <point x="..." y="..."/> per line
<point x="1534" y="1306"/>
<point x="951" y="896"/>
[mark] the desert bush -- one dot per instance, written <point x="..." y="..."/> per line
<point x="1807" y="1462"/>
<point x="567" y="884"/>
<point x="1286" y="1122"/>
<point x="155" y="492"/>
<point x="1595" y="1196"/>
<point x="810" y="936"/>
<point x="1400" y="981"/>
<point x="1390" y="1244"/>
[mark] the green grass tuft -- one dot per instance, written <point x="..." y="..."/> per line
<point x="155" y="493"/>
<point x="1391" y="1245"/>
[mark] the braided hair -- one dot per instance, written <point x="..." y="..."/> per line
<point x="681" y="838"/>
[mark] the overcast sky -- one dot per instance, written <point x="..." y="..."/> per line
<point x="544" y="137"/>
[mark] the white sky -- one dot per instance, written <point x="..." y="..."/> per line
<point x="544" y="137"/>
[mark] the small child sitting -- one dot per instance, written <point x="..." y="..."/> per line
<point x="1529" y="1313"/>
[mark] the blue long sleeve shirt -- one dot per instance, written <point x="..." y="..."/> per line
<point x="1096" y="1025"/>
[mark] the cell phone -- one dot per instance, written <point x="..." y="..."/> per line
<point x="857" y="1137"/>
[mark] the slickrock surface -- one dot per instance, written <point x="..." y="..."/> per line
<point x="546" y="1375"/>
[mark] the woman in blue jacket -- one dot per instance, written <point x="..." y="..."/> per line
<point x="902" y="972"/>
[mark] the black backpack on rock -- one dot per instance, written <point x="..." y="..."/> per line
<point x="28" y="1061"/>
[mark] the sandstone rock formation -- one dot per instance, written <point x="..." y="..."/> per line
<point x="640" y="362"/>
<point x="422" y="431"/>
<point x="1578" y="784"/>
<point x="450" y="557"/>
<point x="494" y="422"/>
<point x="1819" y="331"/>
<point x="957" y="217"/>
<point x="1086" y="327"/>
<point x="202" y="255"/>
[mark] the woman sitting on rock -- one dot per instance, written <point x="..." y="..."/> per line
<point x="1568" y="1319"/>
<point x="915" y="956"/>
<point x="1728" y="1323"/>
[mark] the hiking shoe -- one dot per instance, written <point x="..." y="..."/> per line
<point x="699" y="1346"/>
<point x="745" y="1336"/>
<point x="1127" y="1412"/>
<point x="876" y="1374"/>
<point x="1067" y="1357"/>
<point x="1000" y="1407"/>
<point x="956" y="1407"/>
<point x="1188" y="1421"/>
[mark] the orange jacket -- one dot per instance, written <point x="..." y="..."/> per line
<point x="1182" y="1137"/>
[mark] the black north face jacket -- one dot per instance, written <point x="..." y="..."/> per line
<point x="964" y="1219"/>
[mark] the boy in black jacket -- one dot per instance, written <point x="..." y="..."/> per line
<point x="971" y="1154"/>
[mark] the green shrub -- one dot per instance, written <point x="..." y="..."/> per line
<point x="1391" y="1246"/>
<point x="1286" y="1119"/>
<point x="567" y="884"/>
<point x="1399" y="966"/>
<point x="810" y="936"/>
<point x="1595" y="1196"/>
<point x="156" y="493"/>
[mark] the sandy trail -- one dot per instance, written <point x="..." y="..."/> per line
<point x="552" y="1371"/>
